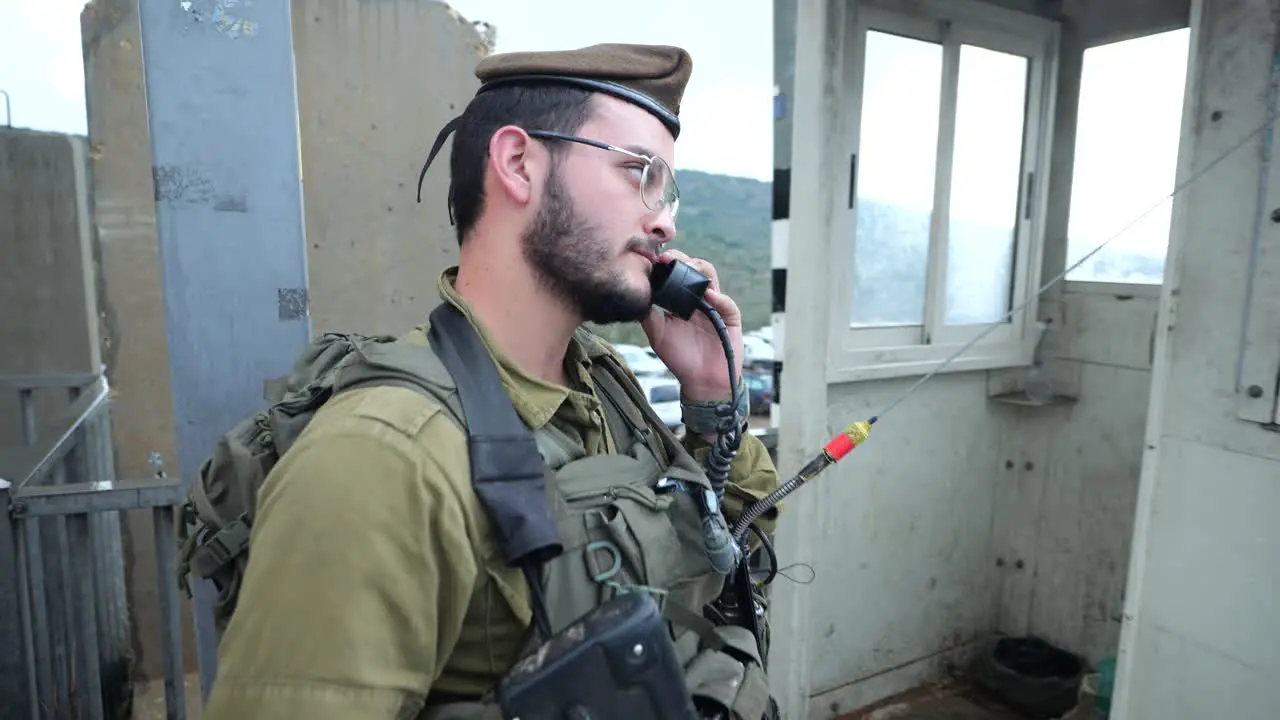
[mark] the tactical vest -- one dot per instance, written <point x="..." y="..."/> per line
<point x="625" y="522"/>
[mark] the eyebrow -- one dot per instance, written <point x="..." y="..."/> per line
<point x="639" y="150"/>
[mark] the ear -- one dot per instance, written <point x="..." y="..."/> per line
<point x="514" y="159"/>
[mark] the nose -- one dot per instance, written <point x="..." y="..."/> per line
<point x="661" y="225"/>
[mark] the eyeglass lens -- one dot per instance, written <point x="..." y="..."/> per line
<point x="658" y="188"/>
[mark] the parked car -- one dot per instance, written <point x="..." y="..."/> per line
<point x="664" y="397"/>
<point x="756" y="349"/>
<point x="642" y="361"/>
<point x="760" y="389"/>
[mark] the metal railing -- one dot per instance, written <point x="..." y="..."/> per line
<point x="66" y="651"/>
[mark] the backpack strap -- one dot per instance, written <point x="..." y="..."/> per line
<point x="507" y="471"/>
<point x="621" y="401"/>
<point x="615" y="383"/>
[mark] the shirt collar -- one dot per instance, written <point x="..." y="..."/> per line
<point x="536" y="400"/>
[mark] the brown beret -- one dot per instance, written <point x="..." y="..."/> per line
<point x="651" y="76"/>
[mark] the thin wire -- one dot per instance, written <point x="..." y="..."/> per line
<point x="998" y="323"/>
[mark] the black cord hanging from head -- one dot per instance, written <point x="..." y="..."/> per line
<point x="444" y="134"/>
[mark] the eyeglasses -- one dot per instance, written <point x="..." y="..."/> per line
<point x="658" y="189"/>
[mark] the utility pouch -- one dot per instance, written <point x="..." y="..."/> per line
<point x="617" y="661"/>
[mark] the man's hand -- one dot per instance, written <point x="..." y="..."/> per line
<point x="692" y="349"/>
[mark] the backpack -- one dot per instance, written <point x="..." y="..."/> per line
<point x="508" y="472"/>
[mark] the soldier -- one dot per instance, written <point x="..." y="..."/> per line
<point x="377" y="588"/>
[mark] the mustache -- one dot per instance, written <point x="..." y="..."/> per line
<point x="649" y="245"/>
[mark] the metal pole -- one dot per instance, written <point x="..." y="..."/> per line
<point x="8" y="111"/>
<point x="222" y="109"/>
<point x="17" y="655"/>
<point x="175" y="691"/>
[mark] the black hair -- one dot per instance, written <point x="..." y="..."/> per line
<point x="533" y="107"/>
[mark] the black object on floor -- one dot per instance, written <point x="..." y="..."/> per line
<point x="1032" y="675"/>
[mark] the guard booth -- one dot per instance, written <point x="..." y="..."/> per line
<point x="1093" y="476"/>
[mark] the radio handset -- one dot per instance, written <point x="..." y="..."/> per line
<point x="678" y="288"/>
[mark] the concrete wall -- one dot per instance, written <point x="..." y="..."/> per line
<point x="371" y="98"/>
<point x="135" y="346"/>
<point x="48" y="327"/>
<point x="48" y="303"/>
<point x="1200" y="634"/>
<point x="906" y="568"/>
<point x="1067" y="476"/>
<point x="964" y="516"/>
<point x="376" y="82"/>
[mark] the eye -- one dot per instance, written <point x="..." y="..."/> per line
<point x="636" y="170"/>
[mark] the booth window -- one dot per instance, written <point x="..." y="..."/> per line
<point x="939" y="227"/>
<point x="1126" y="151"/>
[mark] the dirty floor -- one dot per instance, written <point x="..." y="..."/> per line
<point x="943" y="701"/>
<point x="148" y="699"/>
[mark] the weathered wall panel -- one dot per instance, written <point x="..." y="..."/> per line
<point x="1068" y="494"/>
<point x="1200" y="637"/>
<point x="134" y="342"/>
<point x="905" y="574"/>
<point x="376" y="82"/>
<point x="48" y="303"/>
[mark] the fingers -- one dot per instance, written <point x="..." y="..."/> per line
<point x="652" y="324"/>
<point x="702" y="266"/>
<point x="727" y="308"/>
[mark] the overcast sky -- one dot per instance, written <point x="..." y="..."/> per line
<point x="727" y="113"/>
<point x="1125" y="154"/>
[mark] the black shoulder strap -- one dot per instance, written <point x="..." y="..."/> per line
<point x="507" y="471"/>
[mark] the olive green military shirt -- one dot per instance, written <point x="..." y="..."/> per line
<point x="375" y="575"/>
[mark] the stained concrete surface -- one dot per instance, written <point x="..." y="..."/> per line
<point x="941" y="701"/>
<point x="48" y="310"/>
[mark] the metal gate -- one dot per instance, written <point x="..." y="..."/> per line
<point x="64" y="621"/>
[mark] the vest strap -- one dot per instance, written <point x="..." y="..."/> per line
<point x="507" y="471"/>
<point x="611" y="381"/>
<point x="680" y="614"/>
<point x="659" y="436"/>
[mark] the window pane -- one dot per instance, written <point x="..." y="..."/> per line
<point x="991" y="98"/>
<point x="1127" y="134"/>
<point x="901" y="95"/>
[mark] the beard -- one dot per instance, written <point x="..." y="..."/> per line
<point x="573" y="262"/>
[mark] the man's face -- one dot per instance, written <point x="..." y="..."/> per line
<point x="593" y="241"/>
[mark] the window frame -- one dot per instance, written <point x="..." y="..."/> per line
<point x="885" y="352"/>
